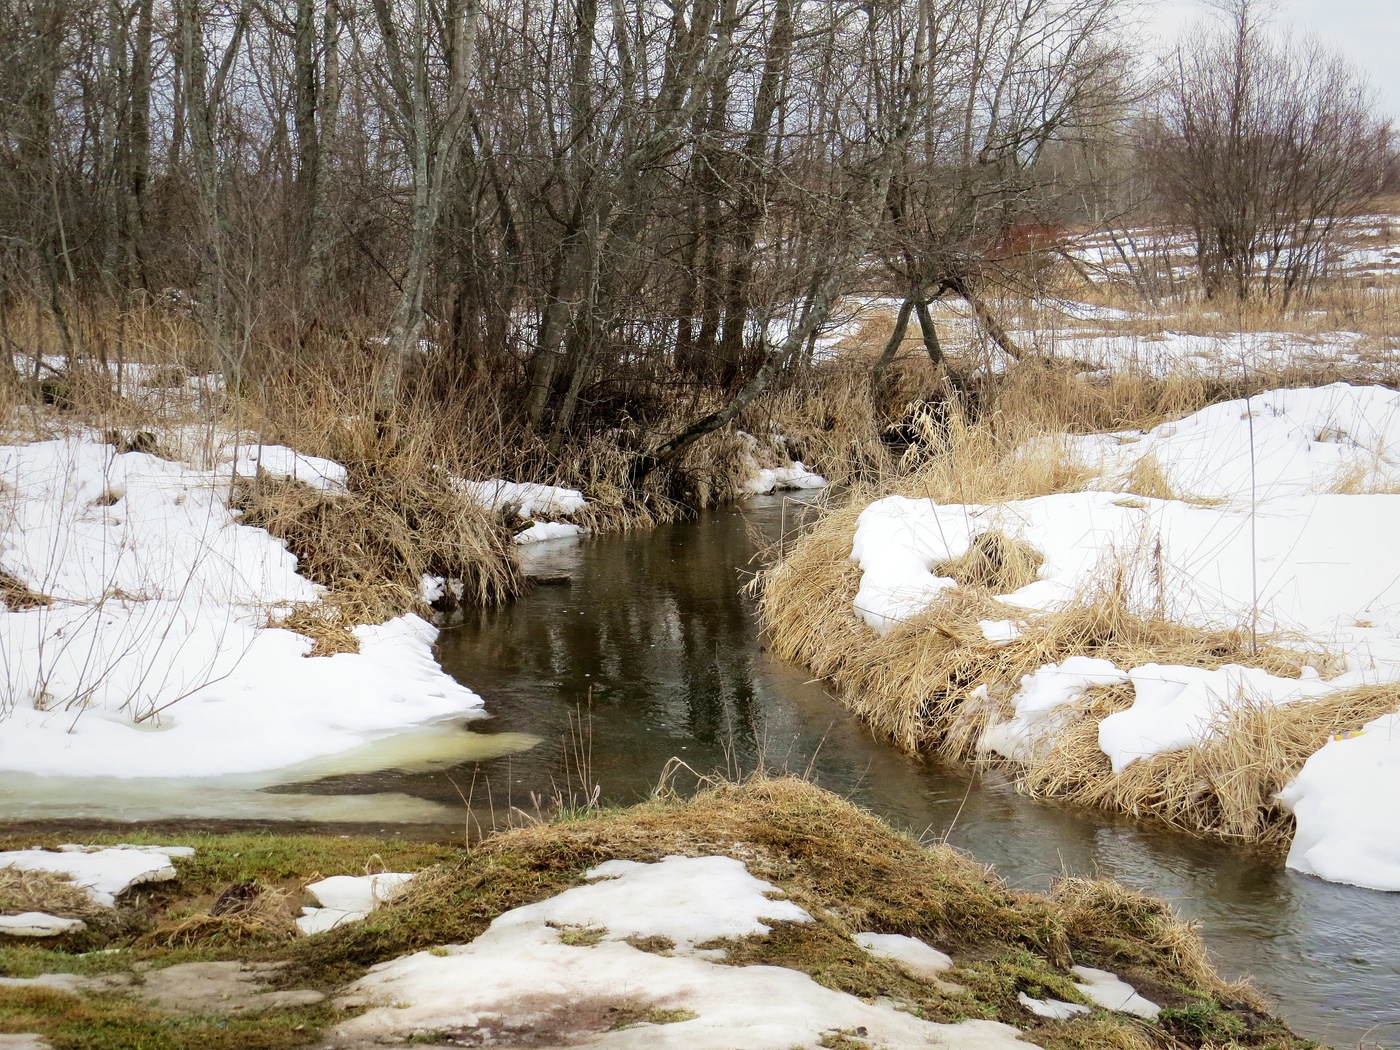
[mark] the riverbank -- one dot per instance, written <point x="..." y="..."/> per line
<point x="1188" y="622"/>
<point x="825" y="873"/>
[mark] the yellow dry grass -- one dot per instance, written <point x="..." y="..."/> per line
<point x="43" y="891"/>
<point x="1224" y="787"/>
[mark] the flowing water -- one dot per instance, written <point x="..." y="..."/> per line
<point x="644" y="649"/>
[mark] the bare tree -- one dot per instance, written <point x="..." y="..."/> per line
<point x="1261" y="146"/>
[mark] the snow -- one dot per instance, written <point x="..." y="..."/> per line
<point x="1105" y="989"/>
<point x="1346" y="801"/>
<point x="530" y="500"/>
<point x="520" y="981"/>
<point x="770" y="479"/>
<point x="155" y="657"/>
<point x="349" y="898"/>
<point x="541" y="531"/>
<point x="689" y="900"/>
<point x="279" y="461"/>
<point x="1054" y="1009"/>
<point x="104" y="873"/>
<point x="38" y="924"/>
<point x="911" y="954"/>
<point x="1041" y="706"/>
<point x="1175" y="707"/>
<point x="1280" y="443"/>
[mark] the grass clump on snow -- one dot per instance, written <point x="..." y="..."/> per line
<point x="1224" y="787"/>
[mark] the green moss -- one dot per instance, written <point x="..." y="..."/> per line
<point x="105" y="1022"/>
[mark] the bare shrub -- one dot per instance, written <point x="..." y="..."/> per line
<point x="1261" y="146"/>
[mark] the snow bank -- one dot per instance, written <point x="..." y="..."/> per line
<point x="1279" y="443"/>
<point x="535" y="503"/>
<point x="541" y="531"/>
<point x="1287" y="532"/>
<point x="529" y="499"/>
<point x="519" y="979"/>
<point x="1346" y="801"/>
<point x="282" y="462"/>
<point x="155" y="658"/>
<point x="38" y="924"/>
<point x="1041" y="706"/>
<point x="770" y="479"/>
<point x="104" y="873"/>
<point x="1175" y="707"/>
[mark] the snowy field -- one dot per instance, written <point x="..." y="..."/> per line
<point x="1283" y="520"/>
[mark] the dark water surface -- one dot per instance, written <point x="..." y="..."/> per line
<point x="652" y="644"/>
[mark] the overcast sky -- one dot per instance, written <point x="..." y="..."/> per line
<point x="1366" y="31"/>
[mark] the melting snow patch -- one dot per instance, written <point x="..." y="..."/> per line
<point x="1108" y="991"/>
<point x="282" y="462"/>
<point x="549" y="530"/>
<point x="1041" y="706"/>
<point x="1346" y="800"/>
<point x="529" y="499"/>
<point x="1054" y="1009"/>
<point x="1175" y="707"/>
<point x="912" y="954"/>
<point x="349" y="898"/>
<point x="104" y="873"/>
<point x="770" y="479"/>
<point x="38" y="924"/>
<point x="520" y="980"/>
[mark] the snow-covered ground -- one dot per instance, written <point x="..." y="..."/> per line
<point x="770" y="469"/>
<point x="574" y="968"/>
<point x="1285" y="521"/>
<point x="155" y="655"/>
<point x="533" y="502"/>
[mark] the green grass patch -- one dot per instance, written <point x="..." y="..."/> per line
<point x="109" y="1022"/>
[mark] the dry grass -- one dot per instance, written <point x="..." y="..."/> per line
<point x="44" y="891"/>
<point x="1224" y="787"/>
<point x="371" y="546"/>
<point x="244" y="914"/>
<point x="15" y="594"/>
<point x="995" y="562"/>
<point x="325" y="624"/>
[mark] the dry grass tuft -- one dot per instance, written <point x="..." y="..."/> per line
<point x="324" y="624"/>
<point x="45" y="891"/>
<point x="1147" y="478"/>
<point x="15" y="594"/>
<point x="995" y="562"/>
<point x="1224" y="787"/>
<point x="244" y="914"/>
<point x="371" y="546"/>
